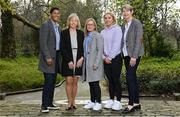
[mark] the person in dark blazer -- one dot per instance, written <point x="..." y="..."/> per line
<point x="72" y="57"/>
<point x="50" y="57"/>
<point x="133" y="50"/>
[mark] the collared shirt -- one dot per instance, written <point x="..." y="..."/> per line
<point x="125" y="53"/>
<point x="57" y="33"/>
<point x="112" y="41"/>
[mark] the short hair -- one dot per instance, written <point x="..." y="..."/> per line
<point x="85" y="28"/>
<point x="127" y="7"/>
<point x="77" y="18"/>
<point x="112" y="15"/>
<point x="53" y="9"/>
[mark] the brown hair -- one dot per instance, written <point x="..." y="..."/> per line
<point x="127" y="7"/>
<point x="85" y="28"/>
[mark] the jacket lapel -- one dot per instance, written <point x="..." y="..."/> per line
<point x="78" y="38"/>
<point x="90" y="44"/>
<point x="68" y="38"/>
<point x="130" y="28"/>
<point x="52" y="27"/>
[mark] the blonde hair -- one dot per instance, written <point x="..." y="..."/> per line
<point x="127" y="7"/>
<point x="112" y="15"/>
<point x="77" y="18"/>
<point x="85" y="27"/>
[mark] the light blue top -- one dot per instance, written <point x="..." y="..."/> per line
<point x="57" y="33"/>
<point x="87" y="41"/>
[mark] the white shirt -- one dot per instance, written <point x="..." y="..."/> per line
<point x="125" y="35"/>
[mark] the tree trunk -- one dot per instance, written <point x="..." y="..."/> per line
<point x="8" y="48"/>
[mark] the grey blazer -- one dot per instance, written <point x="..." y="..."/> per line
<point x="134" y="39"/>
<point x="47" y="41"/>
<point x="94" y="57"/>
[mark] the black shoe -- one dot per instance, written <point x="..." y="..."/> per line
<point x="53" y="107"/>
<point x="127" y="110"/>
<point x="138" y="107"/>
<point x="44" y="109"/>
<point x="68" y="108"/>
<point x="73" y="107"/>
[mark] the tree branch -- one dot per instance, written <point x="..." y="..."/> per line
<point x="25" y="21"/>
<point x="6" y="6"/>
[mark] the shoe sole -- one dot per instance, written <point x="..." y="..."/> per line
<point x="116" y="109"/>
<point x="87" y="108"/>
<point x="107" y="107"/>
<point x="51" y="108"/>
<point x="45" y="111"/>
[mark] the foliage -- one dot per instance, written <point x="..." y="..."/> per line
<point x="158" y="75"/>
<point x="154" y="14"/>
<point x="5" y="5"/>
<point x="20" y="73"/>
<point x="83" y="10"/>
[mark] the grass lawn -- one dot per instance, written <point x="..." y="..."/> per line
<point x="20" y="73"/>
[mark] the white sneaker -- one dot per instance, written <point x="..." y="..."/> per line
<point x="97" y="107"/>
<point x="109" y="104"/>
<point x="116" y="105"/>
<point x="89" y="105"/>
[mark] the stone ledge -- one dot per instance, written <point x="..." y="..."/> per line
<point x="176" y="96"/>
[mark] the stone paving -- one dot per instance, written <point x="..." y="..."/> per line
<point x="28" y="105"/>
<point x="149" y="108"/>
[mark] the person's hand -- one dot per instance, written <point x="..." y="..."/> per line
<point x="107" y="61"/>
<point x="95" y="67"/>
<point x="133" y="62"/>
<point x="71" y="65"/>
<point x="49" y="61"/>
<point x="79" y="63"/>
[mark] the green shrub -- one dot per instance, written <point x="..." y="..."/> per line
<point x="157" y="75"/>
<point x="176" y="56"/>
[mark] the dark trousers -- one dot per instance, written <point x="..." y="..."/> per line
<point x="49" y="84"/>
<point x="131" y="79"/>
<point x="95" y="91"/>
<point x="113" y="73"/>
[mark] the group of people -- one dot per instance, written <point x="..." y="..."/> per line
<point x="89" y="55"/>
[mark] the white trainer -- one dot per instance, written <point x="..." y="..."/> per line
<point x="116" y="105"/>
<point x="97" y="107"/>
<point x="89" y="105"/>
<point x="109" y="104"/>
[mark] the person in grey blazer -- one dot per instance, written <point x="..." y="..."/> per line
<point x="93" y="63"/>
<point x="133" y="50"/>
<point x="50" y="57"/>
